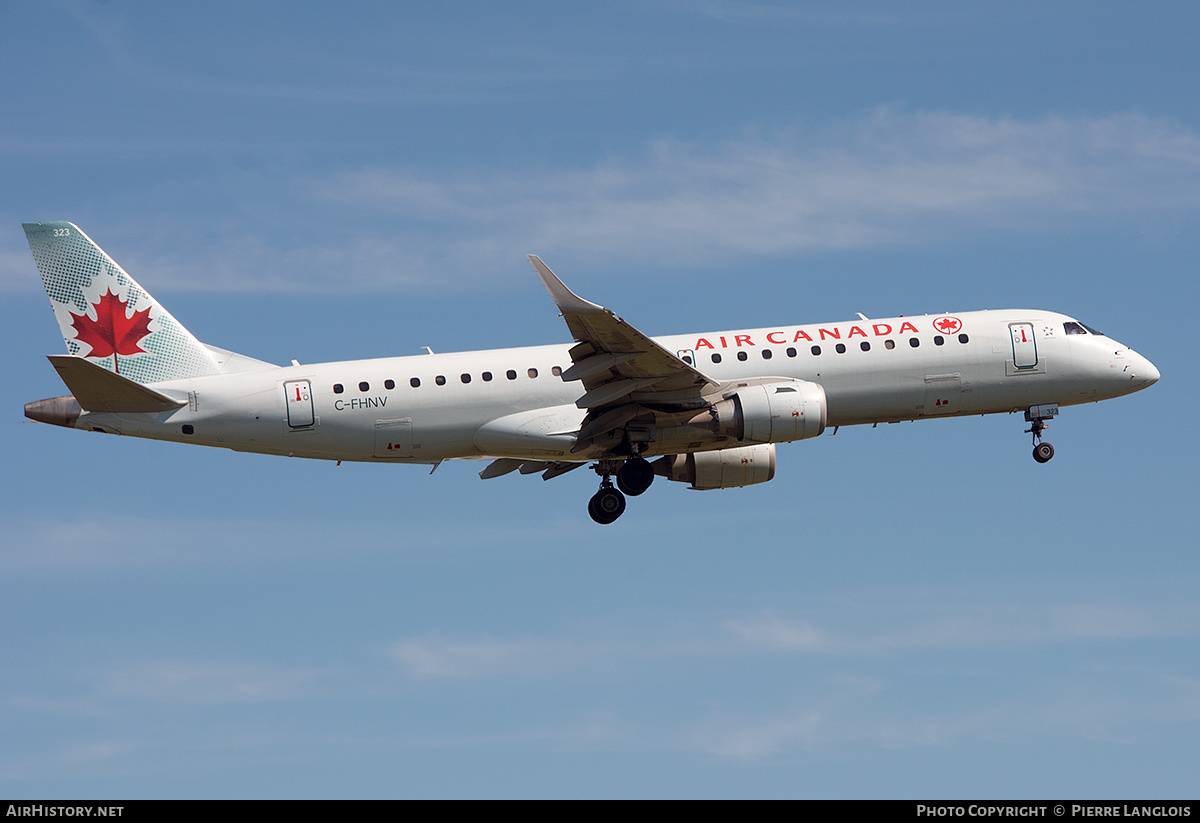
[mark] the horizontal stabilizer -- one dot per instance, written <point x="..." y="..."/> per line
<point x="99" y="390"/>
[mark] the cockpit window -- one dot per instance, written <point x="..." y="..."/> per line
<point x="1072" y="327"/>
<point x="1093" y="331"/>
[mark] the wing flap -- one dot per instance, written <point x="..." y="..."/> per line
<point x="596" y="364"/>
<point x="499" y="468"/>
<point x="548" y="468"/>
<point x="612" y="391"/>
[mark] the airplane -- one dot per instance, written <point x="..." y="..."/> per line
<point x="705" y="409"/>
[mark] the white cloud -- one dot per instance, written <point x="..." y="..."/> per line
<point x="437" y="657"/>
<point x="367" y="81"/>
<point x="102" y="543"/>
<point x="775" y="633"/>
<point x="852" y="632"/>
<point x="87" y="545"/>
<point x="17" y="270"/>
<point x="950" y="626"/>
<point x="757" y="738"/>
<point x="206" y="682"/>
<point x="887" y="178"/>
<point x="731" y="11"/>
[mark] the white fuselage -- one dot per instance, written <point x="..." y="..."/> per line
<point x="513" y="403"/>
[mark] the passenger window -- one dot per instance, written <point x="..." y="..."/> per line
<point x="889" y="344"/>
<point x="865" y="346"/>
<point x="816" y="350"/>
<point x="511" y="374"/>
<point x="767" y="354"/>
<point x="962" y="338"/>
<point x="914" y="342"/>
<point x="556" y="371"/>
<point x="791" y="352"/>
<point x="466" y="378"/>
<point x="440" y="380"/>
<point x="487" y="377"/>
<point x="338" y="388"/>
<point x="415" y="382"/>
<point x="364" y="386"/>
<point x="532" y="373"/>
<point x="938" y="340"/>
<point x="742" y="356"/>
<point x="841" y="348"/>
<point x="716" y="358"/>
<point x="389" y="384"/>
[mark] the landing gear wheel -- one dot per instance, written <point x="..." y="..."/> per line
<point x="606" y="505"/>
<point x="635" y="476"/>
<point x="1037" y="417"/>
<point x="1042" y="452"/>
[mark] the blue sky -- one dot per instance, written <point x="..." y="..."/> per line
<point x="917" y="610"/>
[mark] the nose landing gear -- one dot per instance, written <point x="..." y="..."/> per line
<point x="1037" y="417"/>
<point x="1042" y="452"/>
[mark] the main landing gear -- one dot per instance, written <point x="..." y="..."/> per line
<point x="607" y="504"/>
<point x="1037" y="417"/>
<point x="634" y="476"/>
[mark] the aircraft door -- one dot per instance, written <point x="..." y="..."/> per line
<point x="298" y="394"/>
<point x="1024" y="346"/>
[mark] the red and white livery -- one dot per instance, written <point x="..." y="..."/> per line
<point x="705" y="409"/>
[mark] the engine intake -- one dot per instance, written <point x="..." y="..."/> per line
<point x="721" y="469"/>
<point x="777" y="412"/>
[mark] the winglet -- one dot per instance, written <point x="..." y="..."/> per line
<point x="564" y="298"/>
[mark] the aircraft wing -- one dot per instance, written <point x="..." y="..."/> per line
<point x="625" y="374"/>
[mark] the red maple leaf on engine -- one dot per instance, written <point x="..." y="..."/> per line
<point x="112" y="332"/>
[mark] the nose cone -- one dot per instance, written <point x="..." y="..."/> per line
<point x="1144" y="372"/>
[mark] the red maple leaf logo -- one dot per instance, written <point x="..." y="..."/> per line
<point x="949" y="325"/>
<point x="112" y="332"/>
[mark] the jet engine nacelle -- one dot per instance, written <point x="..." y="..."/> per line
<point x="722" y="469"/>
<point x="778" y="412"/>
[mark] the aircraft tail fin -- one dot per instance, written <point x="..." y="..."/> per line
<point x="106" y="317"/>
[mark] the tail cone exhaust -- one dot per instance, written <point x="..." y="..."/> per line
<point x="57" y="411"/>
